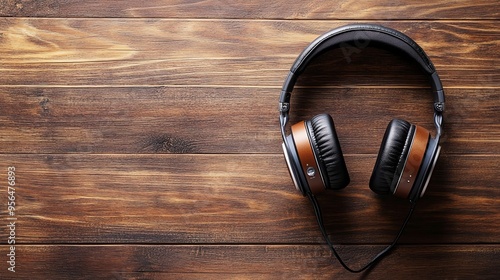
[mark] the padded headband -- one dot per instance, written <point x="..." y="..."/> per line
<point x="364" y="34"/>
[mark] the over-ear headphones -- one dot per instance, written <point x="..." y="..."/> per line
<point x="408" y="153"/>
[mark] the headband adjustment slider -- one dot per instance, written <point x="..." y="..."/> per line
<point x="439" y="107"/>
<point x="284" y="107"/>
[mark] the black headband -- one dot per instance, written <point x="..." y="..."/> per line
<point x="363" y="34"/>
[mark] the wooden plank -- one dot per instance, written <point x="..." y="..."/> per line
<point x="146" y="144"/>
<point x="107" y="199"/>
<point x="229" y="120"/>
<point x="247" y="262"/>
<point x="122" y="52"/>
<point x="315" y="9"/>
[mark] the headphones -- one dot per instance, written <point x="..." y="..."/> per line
<point x="407" y="155"/>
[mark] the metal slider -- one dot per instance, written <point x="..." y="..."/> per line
<point x="439" y="106"/>
<point x="284" y="107"/>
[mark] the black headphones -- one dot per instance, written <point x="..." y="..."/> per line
<point x="407" y="154"/>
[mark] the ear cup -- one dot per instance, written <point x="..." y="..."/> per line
<point x="327" y="151"/>
<point x="392" y="156"/>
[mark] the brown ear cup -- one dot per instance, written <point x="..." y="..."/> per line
<point x="392" y="156"/>
<point x="326" y="147"/>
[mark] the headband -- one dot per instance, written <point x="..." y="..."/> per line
<point x="364" y="34"/>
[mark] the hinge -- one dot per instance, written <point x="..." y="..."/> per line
<point x="284" y="107"/>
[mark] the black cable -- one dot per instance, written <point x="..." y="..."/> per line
<point x="378" y="257"/>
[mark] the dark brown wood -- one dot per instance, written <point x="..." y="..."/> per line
<point x="146" y="144"/>
<point x="125" y="52"/>
<point x="315" y="9"/>
<point x="249" y="262"/>
<point x="230" y="120"/>
<point x="78" y="198"/>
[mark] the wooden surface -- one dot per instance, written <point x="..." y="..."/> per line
<point x="146" y="144"/>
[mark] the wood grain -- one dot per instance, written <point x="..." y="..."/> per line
<point x="315" y="9"/>
<point x="107" y="199"/>
<point x="122" y="52"/>
<point x="147" y="120"/>
<point x="249" y="262"/>
<point x="146" y="144"/>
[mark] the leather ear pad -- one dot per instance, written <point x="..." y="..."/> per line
<point x="392" y="156"/>
<point x="327" y="150"/>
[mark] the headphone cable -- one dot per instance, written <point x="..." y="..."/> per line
<point x="378" y="257"/>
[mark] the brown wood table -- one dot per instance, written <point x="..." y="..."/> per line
<point x="146" y="145"/>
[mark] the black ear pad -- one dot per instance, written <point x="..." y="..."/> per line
<point x="327" y="150"/>
<point x="392" y="156"/>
